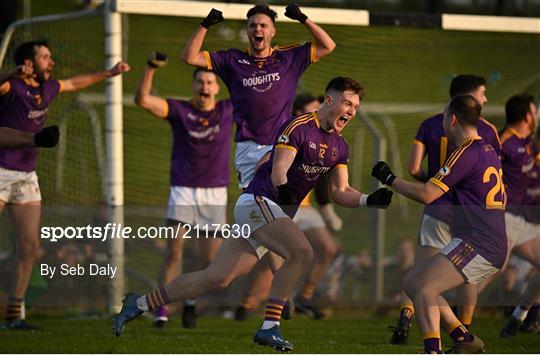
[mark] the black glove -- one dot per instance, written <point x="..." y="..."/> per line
<point x="380" y="198"/>
<point x="285" y="193"/>
<point x="48" y="137"/>
<point x="381" y="171"/>
<point x="293" y="12"/>
<point x="157" y="60"/>
<point x="214" y="17"/>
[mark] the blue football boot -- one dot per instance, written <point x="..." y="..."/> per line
<point x="272" y="337"/>
<point x="129" y="311"/>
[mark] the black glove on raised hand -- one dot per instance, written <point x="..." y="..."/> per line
<point x="48" y="137"/>
<point x="293" y="12"/>
<point x="285" y="193"/>
<point x="380" y="198"/>
<point x="214" y="17"/>
<point x="157" y="60"/>
<point x="381" y="171"/>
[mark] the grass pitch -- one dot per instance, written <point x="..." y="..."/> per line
<point x="340" y="334"/>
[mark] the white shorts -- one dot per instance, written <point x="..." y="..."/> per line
<point x="198" y="205"/>
<point x="434" y="233"/>
<point x="256" y="211"/>
<point x="518" y="230"/>
<point x="19" y="186"/>
<point x="308" y="218"/>
<point x="473" y="266"/>
<point x="248" y="154"/>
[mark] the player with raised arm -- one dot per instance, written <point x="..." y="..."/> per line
<point x="202" y="130"/>
<point x="13" y="138"/>
<point x="473" y="173"/>
<point x="262" y="81"/>
<point x="267" y="207"/>
<point x="431" y="143"/>
<point x="25" y="95"/>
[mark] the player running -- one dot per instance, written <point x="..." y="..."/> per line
<point x="267" y="206"/>
<point x="199" y="169"/>
<point x="432" y="143"/>
<point x="473" y="173"/>
<point x="25" y="95"/>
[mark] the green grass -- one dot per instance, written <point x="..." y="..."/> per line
<point x="351" y="334"/>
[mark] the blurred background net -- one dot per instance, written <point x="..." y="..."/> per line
<point x="406" y="73"/>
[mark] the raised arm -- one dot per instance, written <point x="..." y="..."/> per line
<point x="192" y="53"/>
<point x="22" y="71"/>
<point x="143" y="97"/>
<point x="347" y="196"/>
<point x="85" y="80"/>
<point x="416" y="155"/>
<point x="325" y="43"/>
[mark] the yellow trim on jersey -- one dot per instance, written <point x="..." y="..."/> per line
<point x="537" y="159"/>
<point x="296" y="122"/>
<point x="289" y="46"/>
<point x="444" y="150"/>
<point x="456" y="154"/>
<point x="439" y="184"/>
<point x="340" y="166"/>
<point x="166" y="108"/>
<point x="317" y="120"/>
<point x="506" y="135"/>
<point x="307" y="200"/>
<point x="492" y="127"/>
<point x="313" y="53"/>
<point x="284" y="146"/>
<point x="61" y="84"/>
<point x="416" y="141"/>
<point x="516" y="133"/>
<point x="208" y="60"/>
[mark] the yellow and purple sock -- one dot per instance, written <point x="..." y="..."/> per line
<point x="432" y="343"/>
<point x="459" y="333"/>
<point x="308" y="290"/>
<point x="14" y="308"/>
<point x="274" y="307"/>
<point x="406" y="313"/>
<point x="157" y="298"/>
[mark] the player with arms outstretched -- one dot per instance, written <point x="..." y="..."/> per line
<point x="473" y="173"/>
<point x="267" y="207"/>
<point x="25" y="95"/>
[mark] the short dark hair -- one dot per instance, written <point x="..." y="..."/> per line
<point x="465" y="84"/>
<point x="343" y="84"/>
<point x="302" y="100"/>
<point x="262" y="9"/>
<point x="517" y="107"/>
<point x="466" y="108"/>
<point x="27" y="50"/>
<point x="198" y="70"/>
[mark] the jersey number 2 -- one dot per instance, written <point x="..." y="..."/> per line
<point x="495" y="191"/>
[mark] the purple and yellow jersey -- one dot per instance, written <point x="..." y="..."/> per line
<point x="431" y="134"/>
<point x="518" y="156"/>
<point x="473" y="173"/>
<point x="24" y="107"/>
<point x="317" y="152"/>
<point x="262" y="89"/>
<point x="201" y="144"/>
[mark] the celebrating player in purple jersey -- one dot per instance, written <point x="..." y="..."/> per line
<point x="432" y="143"/>
<point x="308" y="146"/>
<point x="199" y="169"/>
<point x="262" y="81"/>
<point x="518" y="157"/>
<point x="478" y="249"/>
<point x="25" y="95"/>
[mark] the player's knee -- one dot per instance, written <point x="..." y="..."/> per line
<point x="329" y="253"/>
<point x="218" y="281"/>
